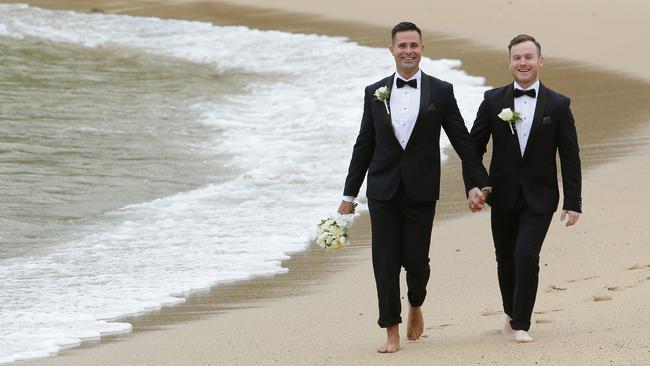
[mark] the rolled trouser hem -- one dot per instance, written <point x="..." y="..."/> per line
<point x="389" y="323"/>
<point x="417" y="302"/>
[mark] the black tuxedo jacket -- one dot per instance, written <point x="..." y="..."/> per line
<point x="416" y="167"/>
<point x="535" y="174"/>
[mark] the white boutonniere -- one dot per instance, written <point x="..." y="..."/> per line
<point x="510" y="117"/>
<point x="382" y="94"/>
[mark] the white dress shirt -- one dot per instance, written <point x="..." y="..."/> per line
<point x="525" y="105"/>
<point x="404" y="109"/>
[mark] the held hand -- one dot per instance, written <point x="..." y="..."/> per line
<point x="573" y="217"/>
<point x="475" y="199"/>
<point x="346" y="208"/>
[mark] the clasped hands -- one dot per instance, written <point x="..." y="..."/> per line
<point x="476" y="199"/>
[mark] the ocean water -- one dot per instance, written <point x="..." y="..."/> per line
<point x="142" y="159"/>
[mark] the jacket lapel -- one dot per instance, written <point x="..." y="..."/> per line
<point x="387" y="116"/>
<point x="425" y="98"/>
<point x="389" y="85"/>
<point x="509" y="102"/>
<point x="537" y="119"/>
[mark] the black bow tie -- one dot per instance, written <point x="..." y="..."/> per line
<point x="518" y="93"/>
<point x="412" y="83"/>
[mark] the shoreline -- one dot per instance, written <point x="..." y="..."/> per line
<point x="602" y="34"/>
<point x="601" y="154"/>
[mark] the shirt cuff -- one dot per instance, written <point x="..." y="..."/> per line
<point x="349" y="198"/>
<point x="487" y="189"/>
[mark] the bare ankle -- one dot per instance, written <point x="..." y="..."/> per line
<point x="415" y="327"/>
<point x="392" y="332"/>
<point x="392" y="340"/>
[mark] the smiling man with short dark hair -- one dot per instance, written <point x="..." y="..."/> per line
<point x="398" y="146"/>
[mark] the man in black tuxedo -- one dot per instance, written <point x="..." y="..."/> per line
<point x="523" y="176"/>
<point x="399" y="147"/>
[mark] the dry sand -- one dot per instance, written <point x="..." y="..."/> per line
<point x="595" y="280"/>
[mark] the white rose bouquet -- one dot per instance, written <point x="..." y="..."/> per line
<point x="332" y="233"/>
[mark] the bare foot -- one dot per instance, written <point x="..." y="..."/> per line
<point x="415" y="326"/>
<point x="392" y="341"/>
<point x="521" y="336"/>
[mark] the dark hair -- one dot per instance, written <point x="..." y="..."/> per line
<point x="525" y="38"/>
<point x="403" y="27"/>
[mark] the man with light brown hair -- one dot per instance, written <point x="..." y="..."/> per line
<point x="530" y="125"/>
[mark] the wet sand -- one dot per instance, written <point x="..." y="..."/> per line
<point x="323" y="311"/>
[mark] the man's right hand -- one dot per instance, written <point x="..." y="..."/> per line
<point x="476" y="199"/>
<point x="346" y="208"/>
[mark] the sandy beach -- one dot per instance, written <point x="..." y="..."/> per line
<point x="595" y="278"/>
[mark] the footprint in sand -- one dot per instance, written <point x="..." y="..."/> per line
<point x="632" y="285"/>
<point x="602" y="298"/>
<point x="540" y="312"/>
<point x="583" y="279"/>
<point x="490" y="312"/>
<point x="638" y="266"/>
<point x="554" y="288"/>
<point x="542" y="321"/>
<point x="441" y="326"/>
<point x="616" y="288"/>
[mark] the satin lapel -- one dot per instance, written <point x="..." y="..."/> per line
<point x="425" y="100"/>
<point x="509" y="102"/>
<point x="387" y="116"/>
<point x="389" y="85"/>
<point x="537" y="119"/>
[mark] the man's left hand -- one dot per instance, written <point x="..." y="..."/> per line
<point x="573" y="217"/>
<point x="475" y="199"/>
